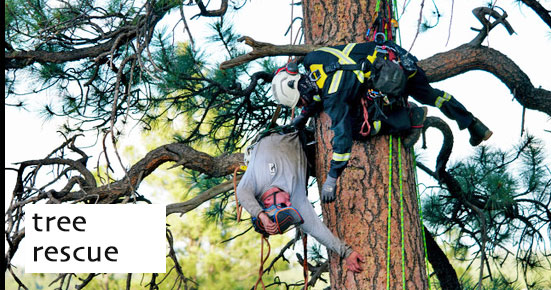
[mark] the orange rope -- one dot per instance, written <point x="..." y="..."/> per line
<point x="238" y="208"/>
<point x="305" y="263"/>
<point x="262" y="261"/>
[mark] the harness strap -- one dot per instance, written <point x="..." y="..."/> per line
<point x="343" y="60"/>
<point x="362" y="66"/>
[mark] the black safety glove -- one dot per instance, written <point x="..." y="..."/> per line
<point x="328" y="190"/>
<point x="307" y="88"/>
<point x="299" y="122"/>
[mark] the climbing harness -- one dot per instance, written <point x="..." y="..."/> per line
<point x="385" y="25"/>
<point x="319" y="73"/>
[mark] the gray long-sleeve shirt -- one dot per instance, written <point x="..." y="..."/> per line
<point x="278" y="160"/>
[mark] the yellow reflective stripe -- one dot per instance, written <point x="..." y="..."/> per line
<point x="411" y="75"/>
<point x="341" y="157"/>
<point x="344" y="58"/>
<point x="376" y="127"/>
<point x="440" y="100"/>
<point x="335" y="82"/>
<point x="347" y="49"/>
<point x="317" y="98"/>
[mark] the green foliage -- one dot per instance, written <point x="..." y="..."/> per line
<point x="499" y="283"/>
<point x="153" y="82"/>
<point x="501" y="208"/>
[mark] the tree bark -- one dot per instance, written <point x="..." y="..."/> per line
<point x="359" y="214"/>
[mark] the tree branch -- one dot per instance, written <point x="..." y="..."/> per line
<point x="14" y="59"/>
<point x="447" y="143"/>
<point x="212" y="13"/>
<point x="263" y="49"/>
<point x="21" y="59"/>
<point x="466" y="58"/>
<point x="540" y="10"/>
<point x="189" y="205"/>
<point x="186" y="156"/>
<point x="447" y="277"/>
<point x="481" y="13"/>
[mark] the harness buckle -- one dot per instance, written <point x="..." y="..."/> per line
<point x="314" y="75"/>
<point x="380" y="38"/>
<point x="364" y="66"/>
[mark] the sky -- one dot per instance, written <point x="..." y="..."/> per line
<point x="30" y="137"/>
<point x="481" y="93"/>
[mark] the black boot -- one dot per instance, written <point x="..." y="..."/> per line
<point x="417" y="118"/>
<point x="479" y="132"/>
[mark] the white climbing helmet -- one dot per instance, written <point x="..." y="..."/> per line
<point x="285" y="86"/>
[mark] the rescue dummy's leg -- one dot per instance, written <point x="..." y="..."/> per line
<point x="419" y="88"/>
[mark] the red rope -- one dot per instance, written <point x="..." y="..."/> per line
<point x="389" y="22"/>
<point x="366" y="119"/>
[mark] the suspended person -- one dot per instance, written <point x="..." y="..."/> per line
<point x="276" y="177"/>
<point x="360" y="81"/>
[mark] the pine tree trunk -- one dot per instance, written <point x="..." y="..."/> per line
<point x="359" y="214"/>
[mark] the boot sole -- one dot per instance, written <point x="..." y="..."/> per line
<point x="486" y="136"/>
